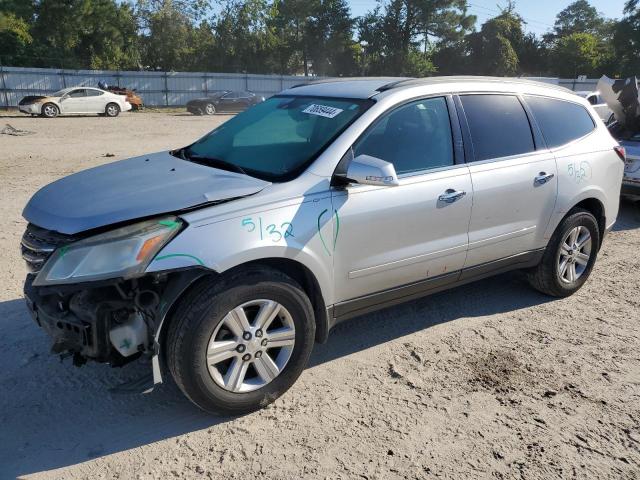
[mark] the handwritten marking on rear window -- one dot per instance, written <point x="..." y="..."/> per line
<point x="322" y="110"/>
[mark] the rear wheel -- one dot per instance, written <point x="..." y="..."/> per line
<point x="237" y="344"/>
<point x="112" y="110"/>
<point x="569" y="256"/>
<point x="50" y="110"/>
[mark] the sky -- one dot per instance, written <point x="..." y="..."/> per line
<point x="539" y="14"/>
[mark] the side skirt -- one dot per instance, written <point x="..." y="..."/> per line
<point x="405" y="293"/>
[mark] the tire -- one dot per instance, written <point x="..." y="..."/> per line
<point x="112" y="110"/>
<point x="210" y="109"/>
<point x="50" y="110"/>
<point x="549" y="276"/>
<point x="205" y="316"/>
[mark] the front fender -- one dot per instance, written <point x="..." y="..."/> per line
<point x="300" y="230"/>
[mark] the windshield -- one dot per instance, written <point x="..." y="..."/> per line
<point x="60" y="93"/>
<point x="278" y="138"/>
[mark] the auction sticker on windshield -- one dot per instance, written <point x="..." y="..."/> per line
<point x="322" y="110"/>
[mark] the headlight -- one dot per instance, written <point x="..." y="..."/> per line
<point x="124" y="252"/>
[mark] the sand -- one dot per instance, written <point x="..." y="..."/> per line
<point x="490" y="380"/>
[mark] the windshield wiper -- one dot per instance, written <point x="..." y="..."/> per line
<point x="213" y="162"/>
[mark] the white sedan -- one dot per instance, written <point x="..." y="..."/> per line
<point x="75" y="101"/>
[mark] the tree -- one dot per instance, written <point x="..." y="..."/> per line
<point x="579" y="17"/>
<point x="244" y="42"/>
<point x="83" y="34"/>
<point x="577" y="54"/>
<point x="626" y="41"/>
<point x="330" y="39"/>
<point x="15" y="39"/>
<point x="402" y="36"/>
<point x="494" y="49"/>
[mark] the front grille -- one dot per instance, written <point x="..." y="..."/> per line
<point x="38" y="244"/>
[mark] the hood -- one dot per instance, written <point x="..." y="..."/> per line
<point x="133" y="188"/>
<point x="621" y="97"/>
<point x="33" y="99"/>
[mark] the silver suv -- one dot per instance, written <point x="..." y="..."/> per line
<point x="225" y="260"/>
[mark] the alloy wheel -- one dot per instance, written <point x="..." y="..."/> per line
<point x="575" y="252"/>
<point x="112" y="110"/>
<point x="50" y="111"/>
<point x="210" y="109"/>
<point x="251" y="346"/>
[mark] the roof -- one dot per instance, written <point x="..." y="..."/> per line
<point x="367" y="87"/>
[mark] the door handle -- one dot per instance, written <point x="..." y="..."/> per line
<point x="451" y="195"/>
<point x="543" y="178"/>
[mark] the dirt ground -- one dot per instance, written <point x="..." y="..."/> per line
<point x="490" y="380"/>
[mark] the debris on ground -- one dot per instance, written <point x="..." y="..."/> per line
<point x="9" y="130"/>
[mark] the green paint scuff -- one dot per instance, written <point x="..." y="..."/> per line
<point x="169" y="223"/>
<point x="171" y="255"/>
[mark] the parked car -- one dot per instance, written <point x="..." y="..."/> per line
<point x="598" y="103"/>
<point x="75" y="100"/>
<point x="223" y="101"/>
<point x="622" y="98"/>
<point x="229" y="257"/>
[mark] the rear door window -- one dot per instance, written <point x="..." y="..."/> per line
<point x="561" y="121"/>
<point x="498" y="125"/>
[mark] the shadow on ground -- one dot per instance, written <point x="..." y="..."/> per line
<point x="628" y="217"/>
<point x="54" y="415"/>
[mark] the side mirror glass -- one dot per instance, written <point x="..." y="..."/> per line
<point x="367" y="170"/>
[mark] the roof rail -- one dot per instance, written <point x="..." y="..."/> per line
<point x="410" y="82"/>
<point x="397" y="83"/>
<point x="346" y="79"/>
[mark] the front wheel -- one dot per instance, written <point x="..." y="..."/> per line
<point x="569" y="256"/>
<point x="50" y="110"/>
<point x="237" y="344"/>
<point x="210" y="109"/>
<point x="112" y="110"/>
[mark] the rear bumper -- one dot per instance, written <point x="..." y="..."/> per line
<point x="630" y="187"/>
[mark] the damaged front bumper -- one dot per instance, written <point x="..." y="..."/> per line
<point x="112" y="322"/>
<point x="30" y="109"/>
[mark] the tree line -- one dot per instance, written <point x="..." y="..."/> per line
<point x="315" y="37"/>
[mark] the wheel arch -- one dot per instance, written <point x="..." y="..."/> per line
<point x="596" y="208"/>
<point x="593" y="199"/>
<point x="296" y="270"/>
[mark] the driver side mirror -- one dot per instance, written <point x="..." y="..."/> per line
<point x="367" y="170"/>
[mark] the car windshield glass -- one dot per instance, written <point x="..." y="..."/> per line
<point x="60" y="93"/>
<point x="277" y="139"/>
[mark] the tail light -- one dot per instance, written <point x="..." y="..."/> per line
<point x="621" y="152"/>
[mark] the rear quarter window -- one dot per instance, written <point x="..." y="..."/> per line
<point x="561" y="121"/>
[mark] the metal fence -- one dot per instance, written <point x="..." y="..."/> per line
<point x="156" y="88"/>
<point x="166" y="88"/>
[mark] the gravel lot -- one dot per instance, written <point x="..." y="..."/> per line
<point x="488" y="380"/>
